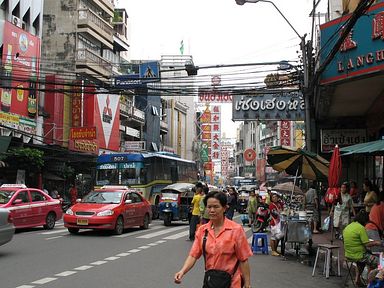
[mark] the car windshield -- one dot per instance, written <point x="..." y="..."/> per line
<point x="169" y="196"/>
<point x="106" y="197"/>
<point x="5" y="196"/>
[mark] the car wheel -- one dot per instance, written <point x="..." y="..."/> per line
<point x="50" y="221"/>
<point x="119" y="228"/>
<point x="167" y="219"/>
<point x="73" y="230"/>
<point x="145" y="222"/>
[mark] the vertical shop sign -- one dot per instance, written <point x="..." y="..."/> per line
<point x="285" y="133"/>
<point x="76" y="105"/>
<point x="216" y="132"/>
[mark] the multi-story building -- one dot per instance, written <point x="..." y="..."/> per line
<point x="179" y="108"/>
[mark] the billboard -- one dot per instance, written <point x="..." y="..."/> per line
<point x="362" y="50"/>
<point x="21" y="54"/>
<point x="282" y="105"/>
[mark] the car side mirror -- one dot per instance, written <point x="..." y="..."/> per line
<point x="78" y="200"/>
<point x="128" y="201"/>
<point x="17" y="201"/>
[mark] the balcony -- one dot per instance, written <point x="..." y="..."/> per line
<point x="132" y="132"/>
<point x="88" y="60"/>
<point x="125" y="109"/>
<point x="94" y="24"/>
<point x="138" y="114"/>
<point x="108" y="6"/>
<point x="163" y="126"/>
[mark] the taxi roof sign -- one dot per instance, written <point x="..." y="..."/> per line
<point x="117" y="187"/>
<point x="13" y="186"/>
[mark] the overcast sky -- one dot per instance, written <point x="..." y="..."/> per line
<point x="218" y="31"/>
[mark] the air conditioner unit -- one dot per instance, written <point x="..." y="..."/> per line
<point x="17" y="21"/>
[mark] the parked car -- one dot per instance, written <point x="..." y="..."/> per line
<point x="30" y="207"/>
<point x="109" y="208"/>
<point x="7" y="229"/>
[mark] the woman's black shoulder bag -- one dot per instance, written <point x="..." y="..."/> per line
<point x="214" y="278"/>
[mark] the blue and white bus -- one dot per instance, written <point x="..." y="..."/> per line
<point x="146" y="172"/>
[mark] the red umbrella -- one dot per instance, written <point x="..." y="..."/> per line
<point x="333" y="180"/>
<point x="334" y="169"/>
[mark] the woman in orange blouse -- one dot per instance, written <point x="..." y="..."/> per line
<point x="226" y="244"/>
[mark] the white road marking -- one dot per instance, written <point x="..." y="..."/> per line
<point x="177" y="236"/>
<point x="152" y="244"/>
<point x="136" y="232"/>
<point x="112" y="258"/>
<point x="144" y="247"/>
<point x="25" y="286"/>
<point x="82" y="268"/>
<point x="99" y="263"/>
<point x="123" y="254"/>
<point x="162" y="232"/>
<point x="44" y="280"/>
<point x="54" y="232"/>
<point x="66" y="273"/>
<point x="51" y="238"/>
<point x="133" y="251"/>
<point x="161" y="241"/>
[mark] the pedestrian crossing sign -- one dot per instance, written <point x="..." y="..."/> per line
<point x="149" y="72"/>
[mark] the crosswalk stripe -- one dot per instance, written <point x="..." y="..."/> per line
<point x="177" y="236"/>
<point x="136" y="232"/>
<point x="162" y="232"/>
<point x="54" y="232"/>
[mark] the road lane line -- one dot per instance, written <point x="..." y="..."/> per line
<point x="66" y="273"/>
<point x="153" y="244"/>
<point x="162" y="232"/>
<point x="177" y="236"/>
<point x="112" y="258"/>
<point x="136" y="232"/>
<point x="44" y="280"/>
<point x="99" y="263"/>
<point x="51" y="238"/>
<point x="144" y="247"/>
<point x="82" y="268"/>
<point x="54" y="232"/>
<point x="123" y="254"/>
<point x="25" y="286"/>
<point x="133" y="251"/>
<point x="161" y="241"/>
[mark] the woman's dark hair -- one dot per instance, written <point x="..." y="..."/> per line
<point x="217" y="195"/>
<point x="206" y="190"/>
<point x="346" y="186"/>
<point x="368" y="184"/>
<point x="362" y="217"/>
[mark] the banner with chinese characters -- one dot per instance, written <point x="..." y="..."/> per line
<point x="285" y="133"/>
<point x="215" y="132"/>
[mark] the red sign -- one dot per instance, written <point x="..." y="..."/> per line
<point x="76" y="105"/>
<point x="285" y="133"/>
<point x="249" y="155"/>
<point x="21" y="54"/>
<point x="87" y="146"/>
<point x="82" y="133"/>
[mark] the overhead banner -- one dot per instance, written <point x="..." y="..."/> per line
<point x="208" y="96"/>
<point x="285" y="105"/>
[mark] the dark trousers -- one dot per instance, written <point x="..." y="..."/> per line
<point x="195" y="219"/>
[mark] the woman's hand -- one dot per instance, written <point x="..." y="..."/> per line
<point x="178" y="276"/>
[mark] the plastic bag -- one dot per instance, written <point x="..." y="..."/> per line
<point x="277" y="231"/>
<point x="325" y="226"/>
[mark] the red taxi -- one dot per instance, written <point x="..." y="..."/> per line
<point x="109" y="208"/>
<point x="30" y="207"/>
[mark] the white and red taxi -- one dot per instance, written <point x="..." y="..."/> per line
<point x="109" y="208"/>
<point x="30" y="207"/>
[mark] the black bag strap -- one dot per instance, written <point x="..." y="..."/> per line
<point x="378" y="229"/>
<point x="204" y="253"/>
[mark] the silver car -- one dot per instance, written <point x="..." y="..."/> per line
<point x="7" y="230"/>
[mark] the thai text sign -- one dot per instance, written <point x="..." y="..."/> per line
<point x="284" y="105"/>
<point x="87" y="146"/>
<point x="341" y="137"/>
<point x="214" y="96"/>
<point x="362" y="51"/>
<point x="82" y="133"/>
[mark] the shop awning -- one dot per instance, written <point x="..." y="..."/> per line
<point x="373" y="148"/>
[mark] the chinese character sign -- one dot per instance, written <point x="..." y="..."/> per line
<point x="215" y="132"/>
<point x="285" y="133"/>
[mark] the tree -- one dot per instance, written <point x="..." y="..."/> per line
<point x="25" y="158"/>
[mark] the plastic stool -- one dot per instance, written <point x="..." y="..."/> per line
<point x="263" y="248"/>
<point x="327" y="248"/>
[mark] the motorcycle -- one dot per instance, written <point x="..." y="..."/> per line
<point x="262" y="218"/>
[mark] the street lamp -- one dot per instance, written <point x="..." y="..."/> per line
<point x="305" y="68"/>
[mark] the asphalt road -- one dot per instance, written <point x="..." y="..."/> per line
<point x="137" y="259"/>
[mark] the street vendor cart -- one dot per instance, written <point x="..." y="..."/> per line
<point x="297" y="233"/>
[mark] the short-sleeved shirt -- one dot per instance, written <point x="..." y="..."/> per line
<point x="311" y="197"/>
<point x="376" y="218"/>
<point x="224" y="250"/>
<point x="196" y="204"/>
<point x="355" y="238"/>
